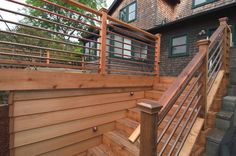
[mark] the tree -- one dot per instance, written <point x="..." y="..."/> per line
<point x="70" y="23"/>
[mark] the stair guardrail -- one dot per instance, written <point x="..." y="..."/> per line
<point x="188" y="93"/>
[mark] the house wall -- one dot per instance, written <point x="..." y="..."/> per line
<point x="146" y="13"/>
<point x="152" y="12"/>
<point x="172" y="66"/>
<point x="171" y="13"/>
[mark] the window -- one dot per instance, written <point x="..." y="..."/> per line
<point x="197" y="3"/>
<point x="91" y="49"/>
<point x="128" y="14"/>
<point x="178" y="46"/>
<point x="120" y="49"/>
<point x="234" y="36"/>
<point x="127" y="49"/>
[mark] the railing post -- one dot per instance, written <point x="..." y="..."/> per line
<point x="48" y="57"/>
<point x="157" y="55"/>
<point x="103" y="34"/>
<point x="226" y="43"/>
<point x="148" y="132"/>
<point x="203" y="48"/>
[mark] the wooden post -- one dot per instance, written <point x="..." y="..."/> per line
<point x="48" y="57"/>
<point x="103" y="34"/>
<point x="226" y="44"/>
<point x="148" y="135"/>
<point x="203" y="48"/>
<point x="157" y="55"/>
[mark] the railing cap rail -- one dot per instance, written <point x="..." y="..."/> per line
<point x="203" y="42"/>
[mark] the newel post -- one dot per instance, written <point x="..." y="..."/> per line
<point x="157" y="55"/>
<point x="148" y="132"/>
<point x="226" y="43"/>
<point x="203" y="48"/>
<point x="103" y="34"/>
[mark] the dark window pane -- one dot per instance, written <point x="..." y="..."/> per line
<point x="127" y="46"/>
<point x="118" y="50"/>
<point x="179" y="40"/>
<point x="132" y="7"/>
<point x="123" y="15"/>
<point x="198" y="2"/>
<point x="179" y="49"/>
<point x="132" y="16"/>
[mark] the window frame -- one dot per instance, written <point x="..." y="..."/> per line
<point x="202" y="4"/>
<point x="127" y="10"/>
<point x="234" y="35"/>
<point x="171" y="55"/>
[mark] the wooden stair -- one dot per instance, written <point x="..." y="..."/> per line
<point x="116" y="143"/>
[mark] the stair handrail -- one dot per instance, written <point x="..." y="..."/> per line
<point x="197" y="66"/>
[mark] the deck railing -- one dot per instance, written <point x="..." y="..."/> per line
<point x="186" y="98"/>
<point x="74" y="36"/>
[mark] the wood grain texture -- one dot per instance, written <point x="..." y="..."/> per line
<point x="56" y="104"/>
<point x="16" y="79"/>
<point x="63" y="141"/>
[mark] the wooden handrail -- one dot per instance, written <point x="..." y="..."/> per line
<point x="169" y="97"/>
<point x="82" y="6"/>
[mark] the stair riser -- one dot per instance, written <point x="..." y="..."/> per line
<point x="232" y="90"/>
<point x="233" y="76"/>
<point x="126" y="129"/>
<point x="228" y="104"/>
<point x="212" y="148"/>
<point x="134" y="115"/>
<point x="223" y="124"/>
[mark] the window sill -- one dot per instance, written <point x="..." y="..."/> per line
<point x="178" y="55"/>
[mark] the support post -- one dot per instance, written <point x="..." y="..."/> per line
<point x="226" y="44"/>
<point x="149" y="120"/>
<point x="203" y="48"/>
<point x="48" y="57"/>
<point x="157" y="55"/>
<point x="103" y="34"/>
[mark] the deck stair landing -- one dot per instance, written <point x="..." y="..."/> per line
<point x="116" y="142"/>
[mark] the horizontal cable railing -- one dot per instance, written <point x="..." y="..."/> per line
<point x="128" y="51"/>
<point x="186" y="98"/>
<point x="74" y="36"/>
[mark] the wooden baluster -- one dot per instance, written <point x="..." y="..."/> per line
<point x="48" y="57"/>
<point x="203" y="48"/>
<point x="157" y="55"/>
<point x="148" y="135"/>
<point x="103" y="34"/>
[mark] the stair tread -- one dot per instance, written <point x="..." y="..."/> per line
<point x="226" y="115"/>
<point x="128" y="122"/>
<point x="148" y="101"/>
<point x="101" y="150"/>
<point x="216" y="135"/>
<point x="121" y="139"/>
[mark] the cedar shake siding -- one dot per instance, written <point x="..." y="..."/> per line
<point x="146" y="13"/>
<point x="174" y="65"/>
<point x="181" y="19"/>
